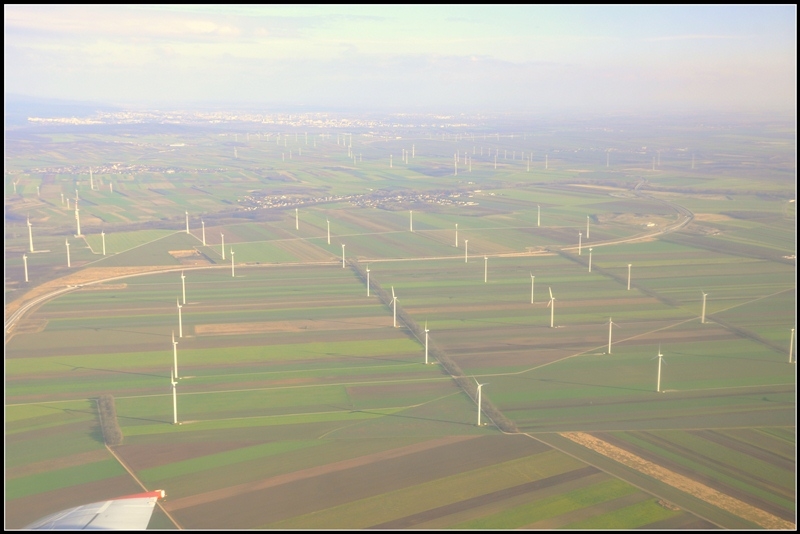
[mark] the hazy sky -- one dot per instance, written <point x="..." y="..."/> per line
<point x="468" y="58"/>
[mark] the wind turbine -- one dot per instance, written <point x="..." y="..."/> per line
<point x="203" y="224"/>
<point x="103" y="237"/>
<point x="233" y="271"/>
<point x="426" y="342"/>
<point x="590" y="259"/>
<point x="296" y="219"/>
<point x="580" y="236"/>
<point x="703" y="313"/>
<point x="552" y="306"/>
<point x="479" y="400"/>
<point x="68" y="263"/>
<point x="411" y="220"/>
<point x="25" y="262"/>
<point x="466" y="250"/>
<point x="222" y="246"/>
<point x="658" y="379"/>
<point x="456" y="245"/>
<point x="532" y="278"/>
<point x="587" y="227"/>
<point x="368" y="280"/>
<point x="180" y="318"/>
<point x="30" y="236"/>
<point x="174" y="398"/>
<point x="629" y="277"/>
<point x="329" y="231"/>
<point x="610" y="323"/>
<point x="187" y="221"/>
<point x="342" y="255"/>
<point x="485" y="269"/>
<point x="791" y="343"/>
<point x="91" y="179"/>
<point x="394" y="308"/>
<point x="175" y="354"/>
<point x="538" y="215"/>
<point x="77" y="218"/>
<point x="183" y="286"/>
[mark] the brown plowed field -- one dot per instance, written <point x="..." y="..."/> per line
<point x="302" y="492"/>
<point x="483" y="500"/>
<point x="300" y="325"/>
<point x="145" y="456"/>
<point x="683" y="483"/>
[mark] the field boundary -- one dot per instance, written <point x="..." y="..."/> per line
<point x="681" y="482"/>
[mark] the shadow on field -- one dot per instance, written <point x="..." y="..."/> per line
<point x="143" y="419"/>
<point x="76" y="368"/>
<point x="584" y="384"/>
<point x="404" y="416"/>
<point x="724" y="357"/>
<point x="122" y="330"/>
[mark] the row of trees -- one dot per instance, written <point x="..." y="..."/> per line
<point x="112" y="433"/>
<point x="466" y="383"/>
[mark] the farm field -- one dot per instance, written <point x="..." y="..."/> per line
<point x="305" y="403"/>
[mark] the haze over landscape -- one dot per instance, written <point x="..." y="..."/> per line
<point x="400" y="267"/>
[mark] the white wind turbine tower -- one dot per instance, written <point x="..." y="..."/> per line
<point x="30" y="236"/>
<point x="532" y="278"/>
<point x="538" y="215"/>
<point x="485" y="269"/>
<point x="367" y="280"/>
<point x="394" y="308"/>
<point x="703" y="313"/>
<point x="233" y="272"/>
<point x="587" y="227"/>
<point x="62" y="199"/>
<point x="187" y="221"/>
<point x="222" y="246"/>
<point x="91" y="179"/>
<point x="203" y="224"/>
<point x="77" y="218"/>
<point x="580" y="236"/>
<point x="180" y="318"/>
<point x="329" y="230"/>
<point x="629" y="277"/>
<point x="466" y="250"/>
<point x="103" y="237"/>
<point x="610" y="323"/>
<point x="111" y="187"/>
<point x="68" y="263"/>
<point x="590" y="259"/>
<point x="545" y="162"/>
<point x="296" y="219"/>
<point x="410" y="220"/>
<point x="455" y="164"/>
<point x="552" y="306"/>
<point x="479" y="400"/>
<point x="456" y="245"/>
<point x="791" y="345"/>
<point x="183" y="286"/>
<point x="175" y="354"/>
<point x="658" y="378"/>
<point x="25" y="262"/>
<point x="426" y="342"/>
<point x="174" y="398"/>
<point x="342" y="255"/>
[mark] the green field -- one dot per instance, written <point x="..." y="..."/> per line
<point x="302" y="406"/>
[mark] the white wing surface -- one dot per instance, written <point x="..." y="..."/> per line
<point x="131" y="512"/>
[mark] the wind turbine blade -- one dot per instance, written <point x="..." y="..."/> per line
<point x="392" y="291"/>
<point x="551" y="292"/>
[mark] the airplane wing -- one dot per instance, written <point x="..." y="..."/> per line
<point x="131" y="512"/>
